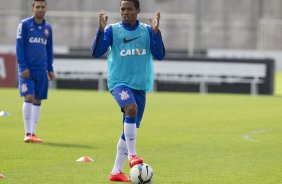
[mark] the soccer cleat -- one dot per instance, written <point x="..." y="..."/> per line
<point x="120" y="177"/>
<point x="134" y="160"/>
<point x="35" y="139"/>
<point x="28" y="138"/>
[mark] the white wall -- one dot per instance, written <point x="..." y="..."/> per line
<point x="224" y="53"/>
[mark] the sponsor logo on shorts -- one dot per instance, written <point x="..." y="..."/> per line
<point x="23" y="88"/>
<point x="124" y="95"/>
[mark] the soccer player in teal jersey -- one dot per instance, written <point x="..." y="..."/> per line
<point x="34" y="49"/>
<point x="132" y="46"/>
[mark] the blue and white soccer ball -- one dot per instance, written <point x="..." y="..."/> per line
<point x="141" y="174"/>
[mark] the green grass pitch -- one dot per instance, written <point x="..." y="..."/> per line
<point x="278" y="83"/>
<point x="187" y="138"/>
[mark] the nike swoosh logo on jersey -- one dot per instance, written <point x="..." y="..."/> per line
<point x="129" y="40"/>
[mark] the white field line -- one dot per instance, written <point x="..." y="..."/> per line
<point x="248" y="135"/>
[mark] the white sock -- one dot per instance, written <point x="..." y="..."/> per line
<point x="120" y="156"/>
<point x="34" y="117"/>
<point x="130" y="137"/>
<point x="27" y="116"/>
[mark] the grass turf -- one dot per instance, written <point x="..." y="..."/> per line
<point x="186" y="138"/>
<point x="278" y="83"/>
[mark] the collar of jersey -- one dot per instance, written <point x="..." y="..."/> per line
<point x="128" y="27"/>
<point x="43" y="22"/>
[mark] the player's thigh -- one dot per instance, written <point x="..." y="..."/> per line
<point x="26" y="86"/>
<point x="123" y="96"/>
<point x="41" y="85"/>
<point x="140" y="98"/>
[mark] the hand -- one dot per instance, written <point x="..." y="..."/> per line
<point x="102" y="20"/>
<point x="51" y="76"/>
<point x="26" y="74"/>
<point x="156" y="22"/>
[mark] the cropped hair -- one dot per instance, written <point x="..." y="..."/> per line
<point x="136" y="3"/>
<point x="39" y="1"/>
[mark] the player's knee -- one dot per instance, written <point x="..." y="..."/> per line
<point x="29" y="98"/>
<point x="122" y="149"/>
<point x="36" y="101"/>
<point x="131" y="110"/>
<point x="32" y="99"/>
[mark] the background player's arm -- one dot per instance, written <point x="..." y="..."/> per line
<point x="50" y="55"/>
<point x="51" y="75"/>
<point x="20" y="51"/>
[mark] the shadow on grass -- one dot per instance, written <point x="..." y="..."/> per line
<point x="67" y="145"/>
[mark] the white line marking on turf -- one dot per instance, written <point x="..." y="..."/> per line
<point x="248" y="136"/>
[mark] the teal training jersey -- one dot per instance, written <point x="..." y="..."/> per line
<point x="130" y="61"/>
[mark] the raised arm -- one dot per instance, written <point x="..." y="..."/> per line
<point x="104" y="36"/>
<point x="156" y="42"/>
<point x="155" y="22"/>
<point x="103" y="20"/>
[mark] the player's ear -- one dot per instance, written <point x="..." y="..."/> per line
<point x="32" y="8"/>
<point x="138" y="10"/>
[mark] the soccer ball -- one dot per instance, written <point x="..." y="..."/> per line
<point x="141" y="174"/>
